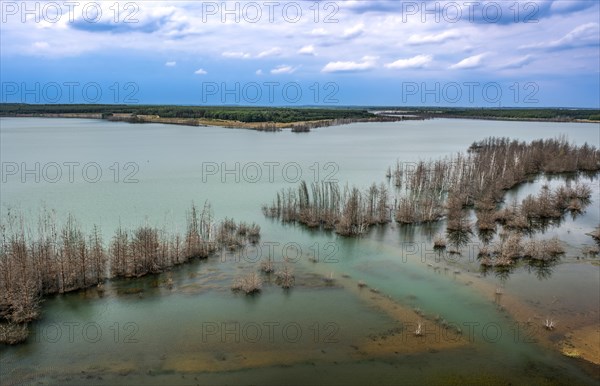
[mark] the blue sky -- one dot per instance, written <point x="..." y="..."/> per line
<point x="534" y="53"/>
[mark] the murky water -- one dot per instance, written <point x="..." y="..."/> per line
<point x="140" y="331"/>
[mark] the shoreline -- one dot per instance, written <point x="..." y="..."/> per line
<point x="298" y="126"/>
<point x="509" y="119"/>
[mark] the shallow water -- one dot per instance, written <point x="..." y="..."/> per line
<point x="140" y="331"/>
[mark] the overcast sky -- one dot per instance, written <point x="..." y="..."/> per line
<point x="533" y="53"/>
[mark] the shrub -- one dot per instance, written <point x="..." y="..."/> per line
<point x="439" y="242"/>
<point x="285" y="277"/>
<point x="249" y="284"/>
<point x="12" y="333"/>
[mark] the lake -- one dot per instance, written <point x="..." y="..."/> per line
<point x="200" y="332"/>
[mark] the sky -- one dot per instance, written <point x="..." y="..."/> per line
<point x="464" y="53"/>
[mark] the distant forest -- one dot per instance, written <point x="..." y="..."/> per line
<point x="554" y="114"/>
<point x="241" y="114"/>
<point x="298" y="114"/>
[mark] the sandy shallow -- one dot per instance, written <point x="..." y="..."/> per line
<point x="575" y="335"/>
<point x="583" y="343"/>
<point x="396" y="340"/>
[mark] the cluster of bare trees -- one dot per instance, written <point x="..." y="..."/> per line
<point x="535" y="211"/>
<point x="57" y="259"/>
<point x="232" y="236"/>
<point x="350" y="213"/>
<point x="512" y="161"/>
<point x="48" y="260"/>
<point x="527" y="217"/>
<point x="553" y="204"/>
<point x="430" y="190"/>
<point x="480" y="177"/>
<point x="511" y="247"/>
<point x="424" y="186"/>
<point x="148" y="250"/>
<point x="285" y="276"/>
<point x="252" y="282"/>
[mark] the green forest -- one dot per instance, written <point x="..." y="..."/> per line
<point x="242" y="114"/>
<point x="296" y="114"/>
<point x="554" y="114"/>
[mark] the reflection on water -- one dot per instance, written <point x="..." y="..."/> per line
<point x="502" y="273"/>
<point x="155" y="333"/>
<point x="485" y="235"/>
<point x="541" y="269"/>
<point x="459" y="238"/>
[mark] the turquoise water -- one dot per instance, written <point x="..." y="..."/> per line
<point x="140" y="331"/>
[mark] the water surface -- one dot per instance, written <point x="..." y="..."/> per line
<point x="142" y="332"/>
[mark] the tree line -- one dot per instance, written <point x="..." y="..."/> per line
<point x="297" y="114"/>
<point x="349" y="212"/>
<point x="429" y="191"/>
<point x="55" y="258"/>
<point x="231" y="113"/>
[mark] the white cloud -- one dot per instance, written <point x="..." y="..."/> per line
<point x="319" y="32"/>
<point x="433" y="38"/>
<point x="367" y="63"/>
<point x="174" y="30"/>
<point x="246" y="55"/>
<point x="356" y="31"/>
<point x="41" y="45"/>
<point x="568" y="6"/>
<point x="517" y="63"/>
<point x="586" y="34"/>
<point x="307" y="50"/>
<point x="200" y="71"/>
<point x="468" y="63"/>
<point x="170" y="64"/>
<point x="418" y="61"/>
<point x="283" y="69"/>
<point x="236" y="54"/>
<point x="270" y="52"/>
<point x="259" y="72"/>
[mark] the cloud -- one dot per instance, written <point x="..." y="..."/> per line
<point x="517" y="63"/>
<point x="468" y="63"/>
<point x="236" y="54"/>
<point x="472" y="12"/>
<point x="171" y="64"/>
<point x="41" y="45"/>
<point x="433" y="38"/>
<point x="283" y="69"/>
<point x="319" y="32"/>
<point x="362" y="7"/>
<point x="307" y="50"/>
<point x="246" y="55"/>
<point x="582" y="36"/>
<point x="149" y="24"/>
<point x="320" y="50"/>
<point x="270" y="52"/>
<point x="367" y="63"/>
<point x="565" y="7"/>
<point x="418" y="61"/>
<point x="200" y="71"/>
<point x="354" y="32"/>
